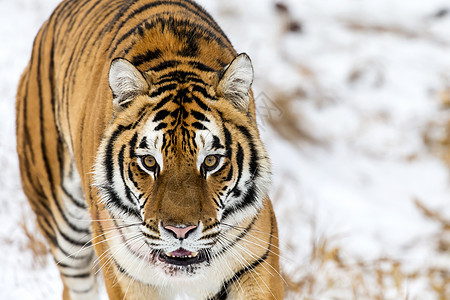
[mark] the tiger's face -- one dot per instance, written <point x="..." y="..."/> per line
<point x="179" y="167"/>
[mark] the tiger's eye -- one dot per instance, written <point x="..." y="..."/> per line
<point x="149" y="162"/>
<point x="210" y="161"/>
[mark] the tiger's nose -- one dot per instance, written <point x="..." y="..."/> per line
<point x="181" y="232"/>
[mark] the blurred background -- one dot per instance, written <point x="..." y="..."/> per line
<point x="353" y="100"/>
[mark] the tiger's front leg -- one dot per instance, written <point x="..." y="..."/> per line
<point x="256" y="285"/>
<point x="73" y="247"/>
<point x="256" y="254"/>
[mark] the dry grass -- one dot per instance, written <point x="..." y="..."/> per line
<point x="333" y="274"/>
<point x="288" y="124"/>
<point x="438" y="276"/>
<point x="35" y="243"/>
<point x="393" y="29"/>
<point x="329" y="272"/>
<point x="437" y="134"/>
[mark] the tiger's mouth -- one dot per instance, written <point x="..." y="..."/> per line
<point x="183" y="257"/>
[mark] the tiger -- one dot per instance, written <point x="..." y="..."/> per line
<point x="140" y="155"/>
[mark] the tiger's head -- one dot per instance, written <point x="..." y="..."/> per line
<point x="180" y="164"/>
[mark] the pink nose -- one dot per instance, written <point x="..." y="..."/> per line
<point x="180" y="232"/>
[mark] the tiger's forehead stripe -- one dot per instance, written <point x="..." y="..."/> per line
<point x="159" y="16"/>
<point x="180" y="75"/>
<point x="179" y="98"/>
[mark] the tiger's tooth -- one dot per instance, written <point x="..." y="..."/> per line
<point x="194" y="254"/>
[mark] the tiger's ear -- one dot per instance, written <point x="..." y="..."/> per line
<point x="235" y="81"/>
<point x="126" y="82"/>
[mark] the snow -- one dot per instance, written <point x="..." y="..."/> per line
<point x="365" y="78"/>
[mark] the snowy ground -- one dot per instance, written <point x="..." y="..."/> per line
<point x="354" y="100"/>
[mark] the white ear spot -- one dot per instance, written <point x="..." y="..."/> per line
<point x="235" y="82"/>
<point x="126" y="82"/>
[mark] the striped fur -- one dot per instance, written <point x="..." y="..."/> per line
<point x="140" y="155"/>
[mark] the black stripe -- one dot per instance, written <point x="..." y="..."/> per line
<point x="114" y="201"/>
<point x="49" y="233"/>
<point x="223" y="293"/>
<point x="150" y="227"/>
<point x="154" y="237"/>
<point x="240" y="165"/>
<point x="54" y="226"/>
<point x="66" y="266"/>
<point x="132" y="31"/>
<point x="200" y="116"/>
<point x="161" y="115"/>
<point x="200" y="103"/>
<point x="83" y="291"/>
<point x="73" y="199"/>
<point x="206" y="228"/>
<point x="131" y="178"/>
<point x="236" y="192"/>
<point x="203" y="91"/>
<point x="202" y="172"/>
<point x="121" y="162"/>
<point x="238" y="238"/>
<point x="125" y="6"/>
<point x="93" y="23"/>
<point x="82" y="275"/>
<point x="143" y="144"/>
<point x="228" y="140"/>
<point x="209" y="236"/>
<point x="132" y="145"/>
<point x="119" y="267"/>
<point x="146" y="57"/>
<point x="160" y="126"/>
<point x="142" y="113"/>
<point x="79" y="243"/>
<point x="253" y="153"/>
<point x="165" y="65"/>
<point x="216" y="143"/>
<point x="53" y="237"/>
<point x="199" y="126"/>
<point x="248" y="200"/>
<point x="180" y="76"/>
<point x="108" y="161"/>
<point x="191" y="49"/>
<point x="163" y="102"/>
<point x="161" y="90"/>
<point x="200" y="66"/>
<point x="230" y="174"/>
<point x="26" y="142"/>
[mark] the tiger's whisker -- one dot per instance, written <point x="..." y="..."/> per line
<point x="248" y="252"/>
<point x="239" y="256"/>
